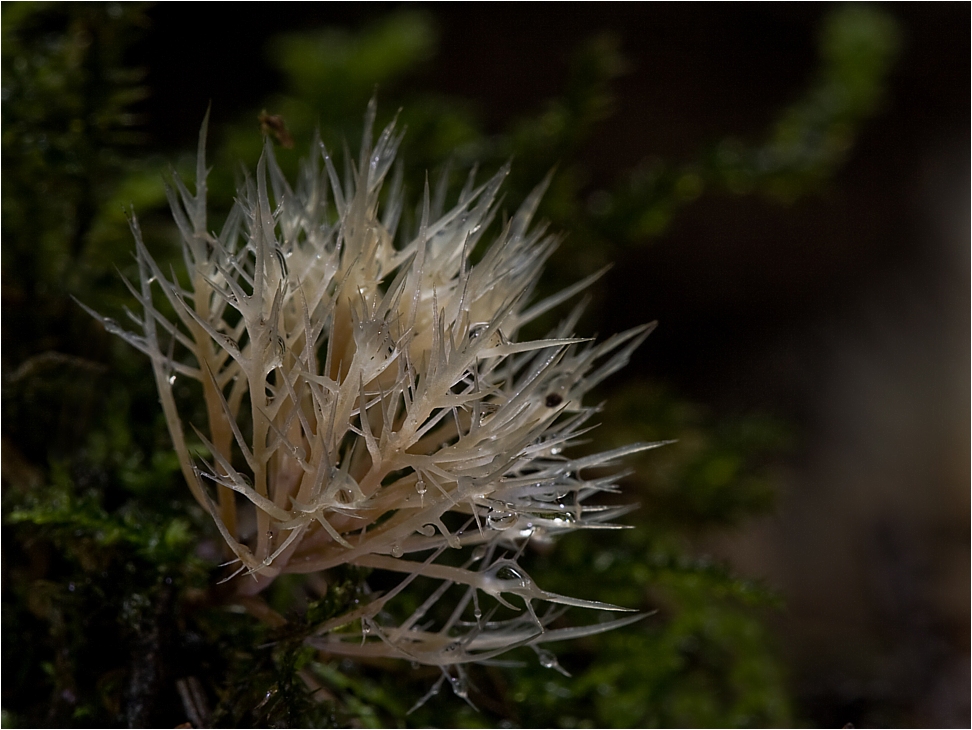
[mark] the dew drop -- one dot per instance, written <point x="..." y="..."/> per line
<point x="343" y="487"/>
<point x="112" y="326"/>
<point x="528" y="531"/>
<point x="420" y="486"/>
<point x="172" y="379"/>
<point x="460" y="686"/>
<point x="508" y="573"/>
<point x="547" y="659"/>
<point x="500" y="520"/>
<point x="396" y="550"/>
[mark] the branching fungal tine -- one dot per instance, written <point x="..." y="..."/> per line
<point x="367" y="402"/>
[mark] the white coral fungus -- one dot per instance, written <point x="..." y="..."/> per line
<point x="372" y="405"/>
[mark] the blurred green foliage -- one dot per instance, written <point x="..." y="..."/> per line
<point x="112" y="613"/>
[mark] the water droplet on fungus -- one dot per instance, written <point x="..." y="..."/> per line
<point x="547" y="659"/>
<point x="500" y="520"/>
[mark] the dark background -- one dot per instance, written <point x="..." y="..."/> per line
<point x="846" y="313"/>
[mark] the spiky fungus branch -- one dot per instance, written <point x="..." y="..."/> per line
<point x="371" y="405"/>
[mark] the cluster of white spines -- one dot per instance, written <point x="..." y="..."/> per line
<point x="372" y="404"/>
